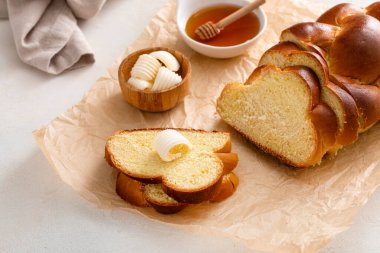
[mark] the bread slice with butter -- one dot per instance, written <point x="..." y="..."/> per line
<point x="192" y="178"/>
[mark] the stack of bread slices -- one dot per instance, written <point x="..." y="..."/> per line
<point x="144" y="179"/>
<point x="313" y="92"/>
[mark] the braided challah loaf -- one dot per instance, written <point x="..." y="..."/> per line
<point x="343" y="50"/>
<point x="349" y="38"/>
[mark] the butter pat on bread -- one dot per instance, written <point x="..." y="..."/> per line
<point x="193" y="178"/>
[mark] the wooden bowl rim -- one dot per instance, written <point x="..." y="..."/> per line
<point x="150" y="50"/>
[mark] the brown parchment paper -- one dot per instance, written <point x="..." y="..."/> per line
<point x="276" y="208"/>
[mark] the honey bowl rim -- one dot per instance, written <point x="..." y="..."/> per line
<point x="148" y="50"/>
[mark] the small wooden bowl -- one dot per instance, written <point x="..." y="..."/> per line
<point x="153" y="101"/>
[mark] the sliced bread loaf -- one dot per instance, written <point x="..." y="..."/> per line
<point x="287" y="54"/>
<point x="192" y="178"/>
<point x="280" y="111"/>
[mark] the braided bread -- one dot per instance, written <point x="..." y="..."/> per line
<point x="343" y="50"/>
<point x="349" y="38"/>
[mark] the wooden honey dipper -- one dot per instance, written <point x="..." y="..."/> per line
<point x="210" y="30"/>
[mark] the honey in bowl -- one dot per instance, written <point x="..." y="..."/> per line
<point x="236" y="33"/>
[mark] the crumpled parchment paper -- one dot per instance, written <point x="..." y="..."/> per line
<point x="276" y="208"/>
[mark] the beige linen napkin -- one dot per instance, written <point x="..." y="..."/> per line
<point x="46" y="32"/>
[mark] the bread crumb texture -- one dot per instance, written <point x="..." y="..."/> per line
<point x="155" y="193"/>
<point x="274" y="112"/>
<point x="134" y="154"/>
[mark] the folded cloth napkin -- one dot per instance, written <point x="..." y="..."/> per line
<point x="46" y="33"/>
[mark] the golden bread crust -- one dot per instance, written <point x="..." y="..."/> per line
<point x="192" y="197"/>
<point x="349" y="56"/>
<point x="228" y="187"/>
<point x="325" y="122"/>
<point x="351" y="116"/>
<point x="311" y="33"/>
<point x="340" y="32"/>
<point x="229" y="160"/>
<point x="132" y="191"/>
<point x="293" y="54"/>
<point x="334" y="15"/>
<point x="367" y="98"/>
<point x="373" y="10"/>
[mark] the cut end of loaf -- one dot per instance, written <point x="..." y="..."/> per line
<point x="286" y="54"/>
<point x="274" y="112"/>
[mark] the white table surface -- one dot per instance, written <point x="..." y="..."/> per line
<point x="40" y="213"/>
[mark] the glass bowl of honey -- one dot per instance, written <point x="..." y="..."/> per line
<point x="233" y="40"/>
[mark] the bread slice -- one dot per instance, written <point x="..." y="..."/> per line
<point x="160" y="201"/>
<point x="140" y="194"/>
<point x="192" y="178"/>
<point x="287" y="54"/>
<point x="280" y="111"/>
<point x="130" y="190"/>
